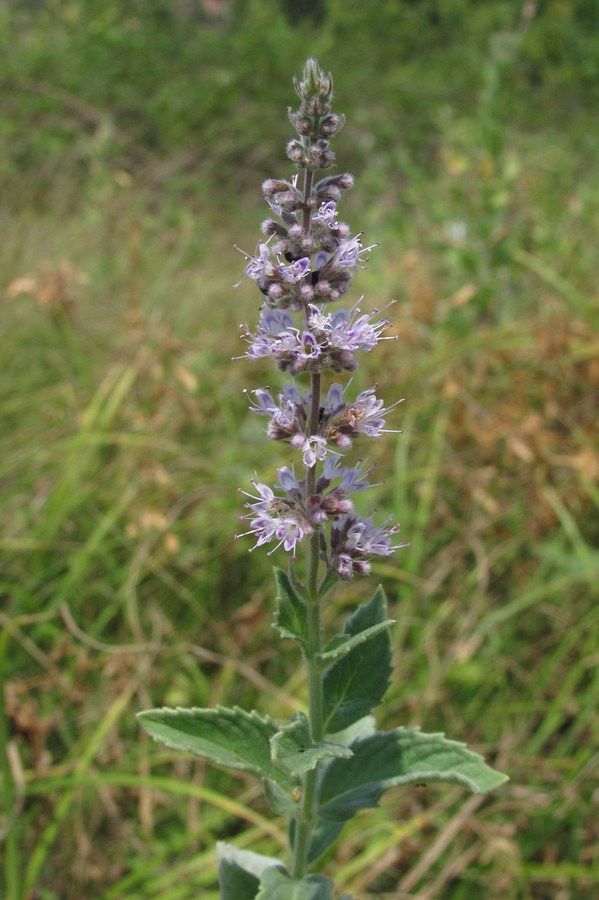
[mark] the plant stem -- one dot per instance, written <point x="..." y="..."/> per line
<point x="305" y="821"/>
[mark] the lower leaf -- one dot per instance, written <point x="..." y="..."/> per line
<point x="276" y="884"/>
<point x="402" y="756"/>
<point x="240" y="871"/>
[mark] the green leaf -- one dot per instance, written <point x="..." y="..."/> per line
<point x="227" y="737"/>
<point x="239" y="871"/>
<point x="402" y="756"/>
<point x="340" y="645"/>
<point x="291" y="616"/>
<point x="292" y="748"/>
<point x="363" y="728"/>
<point x="279" y="800"/>
<point x="276" y="884"/>
<point x="355" y="684"/>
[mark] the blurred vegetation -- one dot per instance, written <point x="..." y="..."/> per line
<point x="135" y="136"/>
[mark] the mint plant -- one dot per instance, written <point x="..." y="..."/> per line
<point x="328" y="763"/>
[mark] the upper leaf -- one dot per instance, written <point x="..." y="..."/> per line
<point x="227" y="737"/>
<point x="402" y="756"/>
<point x="340" y="645"/>
<point x="357" y="682"/>
<point x="276" y="884"/>
<point x="291" y="616"/>
<point x="239" y="871"/>
<point x="292" y="748"/>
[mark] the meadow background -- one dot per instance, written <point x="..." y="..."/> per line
<point x="135" y="136"/>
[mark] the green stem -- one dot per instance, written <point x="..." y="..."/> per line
<point x="309" y="802"/>
<point x="304" y="822"/>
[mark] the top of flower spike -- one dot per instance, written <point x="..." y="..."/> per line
<point x="314" y="84"/>
<point x="314" y="121"/>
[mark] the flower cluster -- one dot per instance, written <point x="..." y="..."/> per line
<point x="324" y="340"/>
<point x="305" y="263"/>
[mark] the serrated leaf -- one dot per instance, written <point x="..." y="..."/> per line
<point x="355" y="684"/>
<point x="228" y="737"/>
<point x="292" y="748"/>
<point x="276" y="884"/>
<point x="341" y="644"/>
<point x="239" y="871"/>
<point x="402" y="756"/>
<point x="291" y="616"/>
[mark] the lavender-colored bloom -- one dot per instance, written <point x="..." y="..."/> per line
<point x="321" y="259"/>
<point x="334" y="399"/>
<point x="288" y="482"/>
<point x="275" y="321"/>
<point x="347" y="253"/>
<point x="289" y="533"/>
<point x="350" y="252"/>
<point x="359" y="333"/>
<point x="354" y="478"/>
<point x="351" y="478"/>
<point x="327" y="214"/>
<point x="296" y="270"/>
<point x="369" y="413"/>
<point x="310" y="346"/>
<point x="319" y="320"/>
<point x="368" y="538"/>
<point x="265" y="405"/>
<point x="354" y="540"/>
<point x="259" y="265"/>
<point x="313" y="448"/>
<point x="275" y="518"/>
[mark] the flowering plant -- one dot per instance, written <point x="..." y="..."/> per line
<point x="321" y="768"/>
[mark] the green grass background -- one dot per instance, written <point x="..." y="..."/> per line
<point x="135" y="137"/>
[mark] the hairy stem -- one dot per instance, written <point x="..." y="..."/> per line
<point x="309" y="802"/>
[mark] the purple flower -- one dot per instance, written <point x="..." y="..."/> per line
<point x="275" y="518"/>
<point x="354" y="540"/>
<point x="287" y="416"/>
<point x="348" y="333"/>
<point x="288" y="482"/>
<point x="310" y="346"/>
<point x="275" y="321"/>
<point x="334" y="399"/>
<point x="296" y="270"/>
<point x="368" y="413"/>
<point x="327" y="214"/>
<point x="313" y="448"/>
<point x="343" y="421"/>
<point x="375" y="540"/>
<point x="259" y="265"/>
<point x="350" y="252"/>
